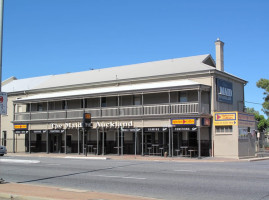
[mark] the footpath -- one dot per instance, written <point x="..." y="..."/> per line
<point x="15" y="191"/>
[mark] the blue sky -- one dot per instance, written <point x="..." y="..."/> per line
<point x="43" y="37"/>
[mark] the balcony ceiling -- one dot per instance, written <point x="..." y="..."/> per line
<point x="153" y="86"/>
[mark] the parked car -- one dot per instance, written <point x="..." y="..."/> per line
<point x="3" y="150"/>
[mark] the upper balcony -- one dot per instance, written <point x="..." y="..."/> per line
<point x="165" y="104"/>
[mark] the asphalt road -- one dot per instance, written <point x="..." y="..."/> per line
<point x="165" y="180"/>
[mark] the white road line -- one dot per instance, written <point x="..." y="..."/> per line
<point x="184" y="170"/>
<point x="53" y="164"/>
<point x="87" y="158"/>
<point x="125" y="177"/>
<point x="20" y="161"/>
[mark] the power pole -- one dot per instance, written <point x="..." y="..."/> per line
<point x="1" y="47"/>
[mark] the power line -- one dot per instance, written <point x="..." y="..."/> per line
<point x="253" y="102"/>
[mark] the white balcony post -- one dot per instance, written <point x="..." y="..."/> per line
<point x="97" y="140"/>
<point x="142" y="141"/>
<point x="118" y="149"/>
<point x="199" y="101"/>
<point x="78" y="142"/>
<point x="47" y="144"/>
<point x="65" y="142"/>
<point x="103" y="141"/>
<point x="47" y="110"/>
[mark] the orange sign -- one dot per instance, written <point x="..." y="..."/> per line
<point x="225" y="118"/>
<point x="21" y="126"/>
<point x="186" y="121"/>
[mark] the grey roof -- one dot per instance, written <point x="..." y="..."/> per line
<point x="127" y="72"/>
<point x="24" y="84"/>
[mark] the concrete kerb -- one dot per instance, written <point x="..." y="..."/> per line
<point x="137" y="157"/>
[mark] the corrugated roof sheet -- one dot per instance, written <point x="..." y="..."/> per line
<point x="127" y="72"/>
<point x="24" y="84"/>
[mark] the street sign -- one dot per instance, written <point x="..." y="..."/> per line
<point x="3" y="103"/>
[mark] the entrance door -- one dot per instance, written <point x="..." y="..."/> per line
<point x="38" y="142"/>
<point x="149" y="140"/>
<point x="193" y="139"/>
<point x="68" y="143"/>
<point x="55" y="143"/>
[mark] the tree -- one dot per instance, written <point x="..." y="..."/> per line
<point x="263" y="124"/>
<point x="264" y="84"/>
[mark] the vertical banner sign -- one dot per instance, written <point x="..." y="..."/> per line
<point x="224" y="91"/>
<point x="3" y="103"/>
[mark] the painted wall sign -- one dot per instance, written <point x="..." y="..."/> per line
<point x="224" y="91"/>
<point x="21" y="126"/>
<point x="246" y="120"/>
<point x="234" y="118"/>
<point x="225" y="118"/>
<point x="114" y="124"/>
<point x="183" y="121"/>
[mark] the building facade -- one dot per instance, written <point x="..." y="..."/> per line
<point x="157" y="108"/>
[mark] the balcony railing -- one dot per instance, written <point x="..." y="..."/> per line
<point x="146" y="110"/>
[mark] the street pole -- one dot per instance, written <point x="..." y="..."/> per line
<point x="1" y="47"/>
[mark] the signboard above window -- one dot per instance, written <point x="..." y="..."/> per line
<point x="224" y="91"/>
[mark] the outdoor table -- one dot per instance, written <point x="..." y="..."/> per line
<point x="149" y="150"/>
<point x="154" y="149"/>
<point x="90" y="147"/>
<point x="192" y="151"/>
<point x="177" y="150"/>
<point x="161" y="149"/>
<point x="184" y="150"/>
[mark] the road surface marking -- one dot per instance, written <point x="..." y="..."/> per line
<point x="184" y="170"/>
<point x="53" y="164"/>
<point x="125" y="177"/>
<point x="87" y="158"/>
<point x="20" y="161"/>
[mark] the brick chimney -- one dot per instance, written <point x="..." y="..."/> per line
<point x="219" y="55"/>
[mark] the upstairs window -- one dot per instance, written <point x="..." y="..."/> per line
<point x="137" y="100"/>
<point x="103" y="101"/>
<point x="183" y="97"/>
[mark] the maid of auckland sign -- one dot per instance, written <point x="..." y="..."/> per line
<point x="114" y="124"/>
<point x="224" y="91"/>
